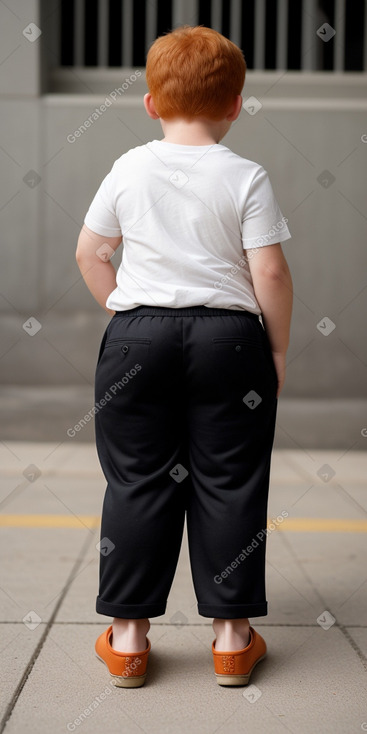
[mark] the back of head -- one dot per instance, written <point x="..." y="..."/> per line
<point x="193" y="72"/>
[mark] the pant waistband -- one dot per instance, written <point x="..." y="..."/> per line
<point x="186" y="311"/>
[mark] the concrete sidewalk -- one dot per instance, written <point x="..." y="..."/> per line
<point x="315" y="675"/>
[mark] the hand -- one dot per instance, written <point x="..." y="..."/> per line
<point x="279" y="363"/>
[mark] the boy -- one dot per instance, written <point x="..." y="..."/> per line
<point x="188" y="375"/>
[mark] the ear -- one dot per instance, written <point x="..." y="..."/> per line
<point x="235" y="109"/>
<point x="149" y="106"/>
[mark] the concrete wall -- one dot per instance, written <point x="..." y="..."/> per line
<point x="307" y="124"/>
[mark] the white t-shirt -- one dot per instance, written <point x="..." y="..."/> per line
<point x="186" y="213"/>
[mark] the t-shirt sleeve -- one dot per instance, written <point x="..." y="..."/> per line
<point x="101" y="216"/>
<point x="263" y="222"/>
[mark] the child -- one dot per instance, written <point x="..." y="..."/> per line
<point x="191" y="363"/>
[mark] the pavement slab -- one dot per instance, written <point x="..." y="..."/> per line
<point x="314" y="677"/>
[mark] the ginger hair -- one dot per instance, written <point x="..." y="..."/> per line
<point x="194" y="72"/>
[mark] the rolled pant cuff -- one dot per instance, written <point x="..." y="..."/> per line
<point x="233" y="611"/>
<point x="130" y="611"/>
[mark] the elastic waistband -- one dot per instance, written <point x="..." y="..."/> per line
<point x="186" y="311"/>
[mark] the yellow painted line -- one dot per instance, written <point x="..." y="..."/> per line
<point x="322" y="525"/>
<point x="49" y="521"/>
<point x="290" y="524"/>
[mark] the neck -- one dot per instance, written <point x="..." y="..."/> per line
<point x="196" y="132"/>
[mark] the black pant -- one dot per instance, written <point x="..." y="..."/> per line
<point x="184" y="417"/>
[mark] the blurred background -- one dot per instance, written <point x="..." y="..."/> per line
<point x="303" y="118"/>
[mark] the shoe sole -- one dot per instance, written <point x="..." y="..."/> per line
<point x="236" y="680"/>
<point x="122" y="681"/>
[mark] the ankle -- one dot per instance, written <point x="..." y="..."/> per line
<point x="130" y="629"/>
<point x="237" y="625"/>
<point x="122" y="624"/>
<point x="231" y="634"/>
<point x="129" y="635"/>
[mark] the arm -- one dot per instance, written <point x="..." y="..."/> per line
<point x="274" y="292"/>
<point x="93" y="257"/>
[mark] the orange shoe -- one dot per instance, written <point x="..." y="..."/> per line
<point x="127" y="668"/>
<point x="234" y="668"/>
